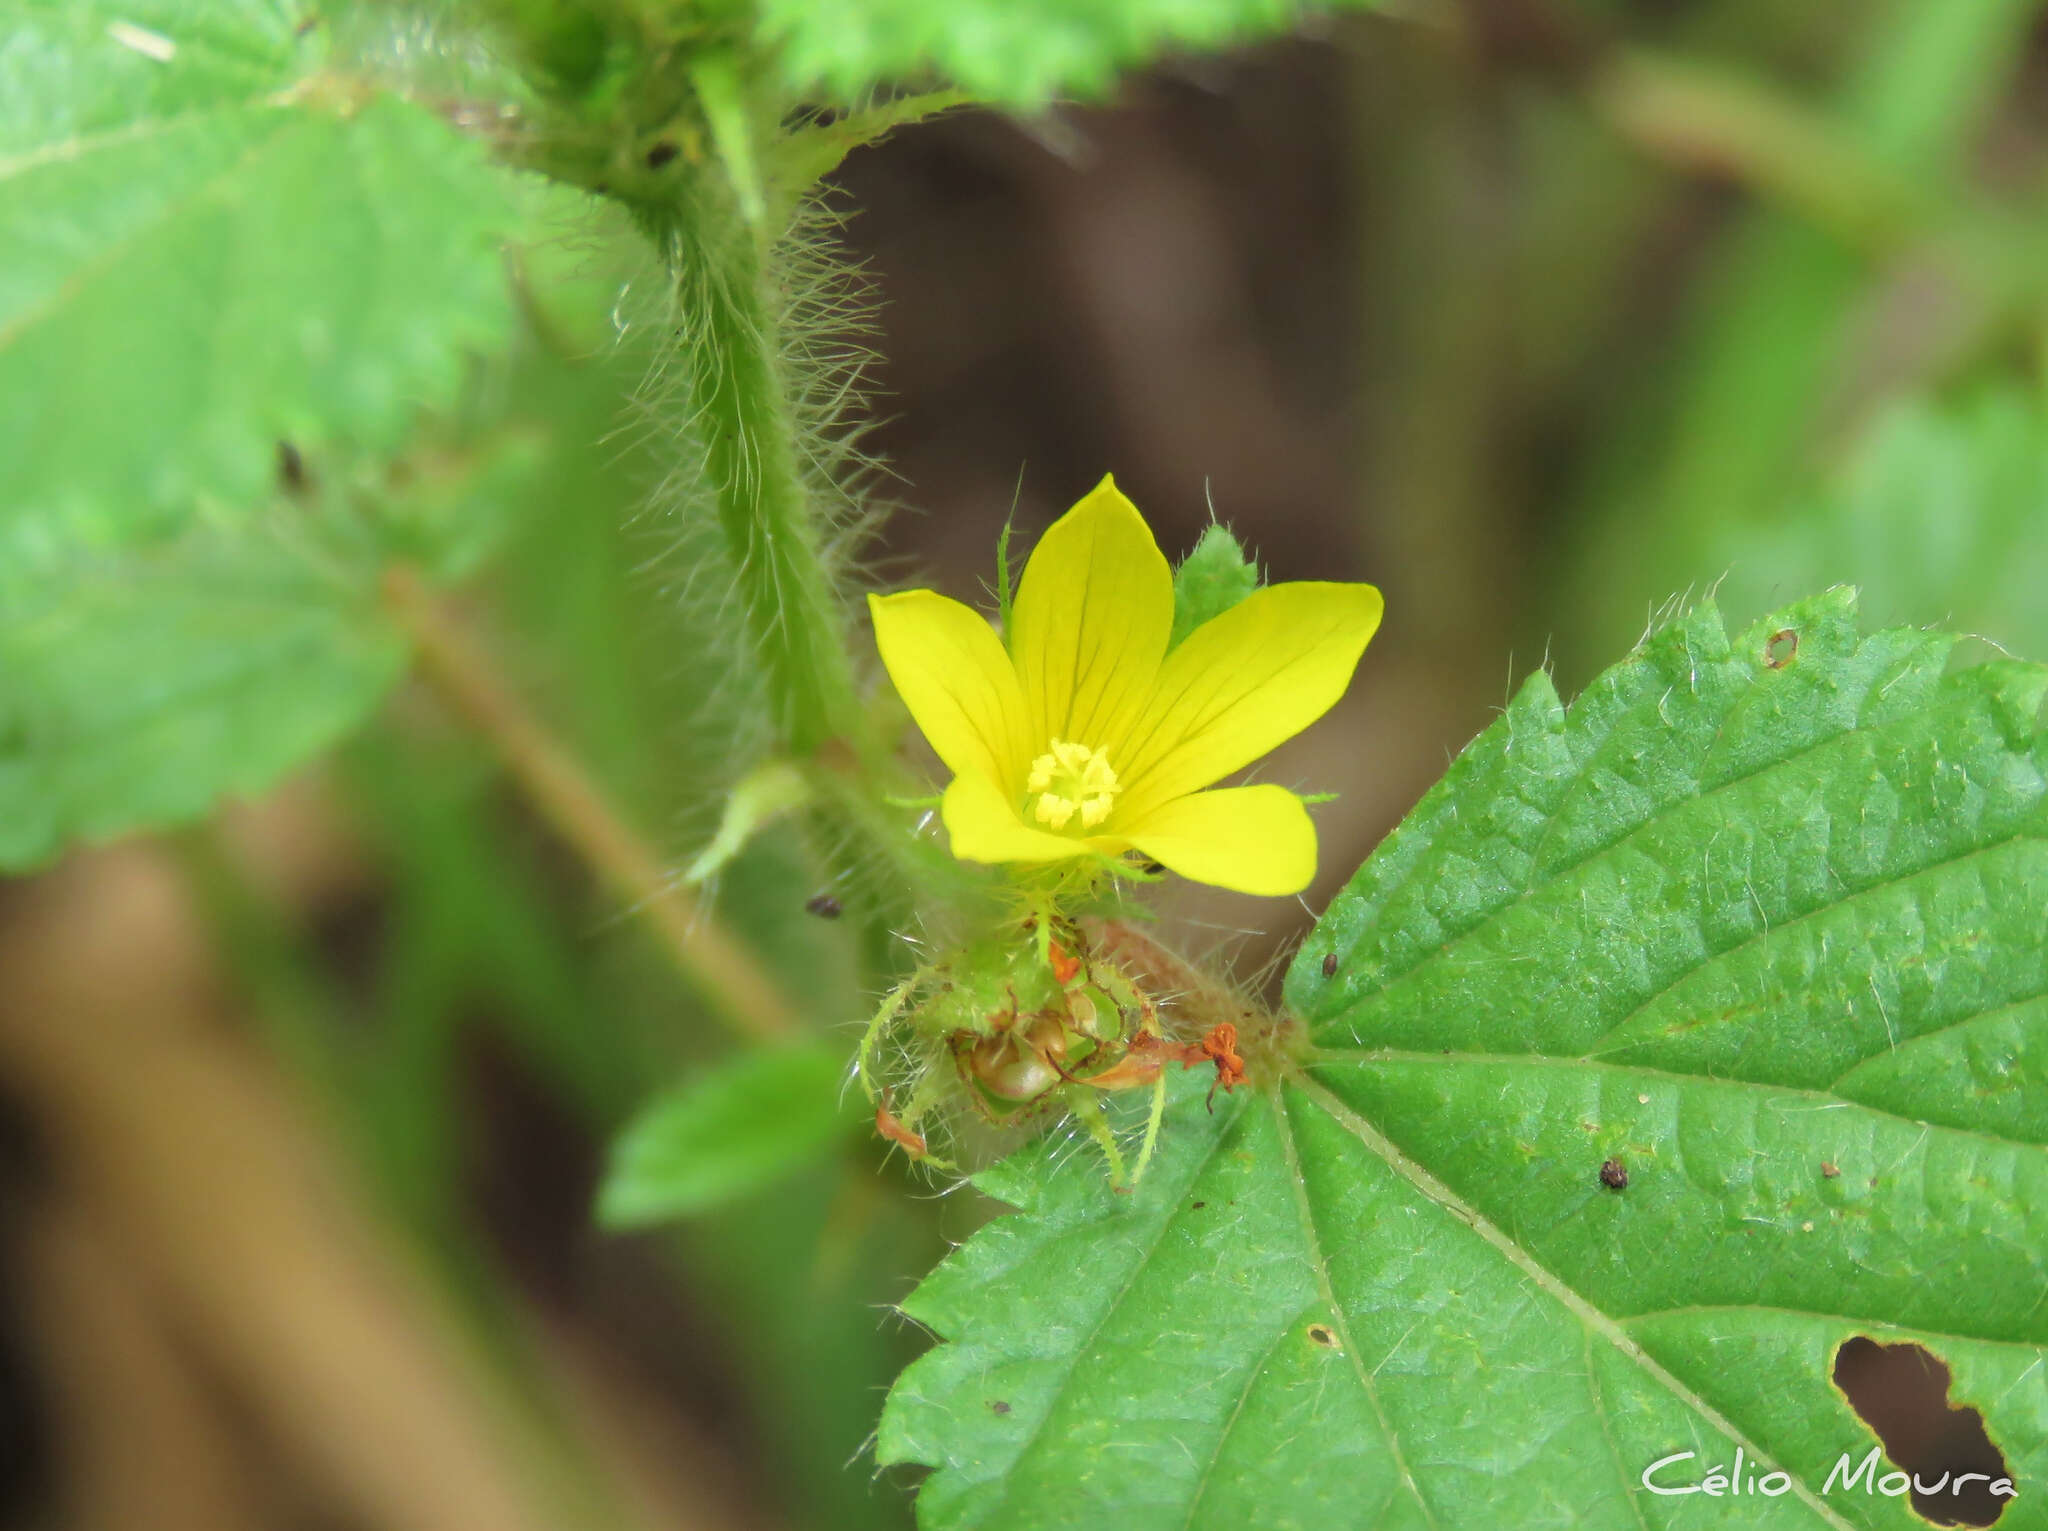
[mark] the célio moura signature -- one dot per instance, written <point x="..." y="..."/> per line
<point x="1843" y="1478"/>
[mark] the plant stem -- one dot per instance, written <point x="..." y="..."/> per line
<point x="1704" y="119"/>
<point x="710" y="957"/>
<point x="740" y="405"/>
<point x="1199" y="1000"/>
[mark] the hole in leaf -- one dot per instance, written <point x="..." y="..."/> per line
<point x="1781" y="648"/>
<point x="1901" y="1392"/>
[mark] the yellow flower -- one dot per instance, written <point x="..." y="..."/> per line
<point x="1086" y="736"/>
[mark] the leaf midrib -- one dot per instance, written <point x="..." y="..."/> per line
<point x="1546" y="877"/>
<point x="1599" y="1397"/>
<point x="1347" y="1017"/>
<point x="1688" y="1309"/>
<point x="1594" y="1319"/>
<point x="1076" y="1353"/>
<point x="1251" y="1380"/>
<point x="78" y="146"/>
<point x="1313" y="1245"/>
<point x="263" y="140"/>
<point x="1845" y="900"/>
<point x="1581" y="1064"/>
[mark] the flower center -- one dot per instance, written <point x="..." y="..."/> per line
<point x="1070" y="779"/>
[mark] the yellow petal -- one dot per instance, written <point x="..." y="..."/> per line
<point x="983" y="825"/>
<point x="1250" y="839"/>
<point x="1241" y="683"/>
<point x="953" y="675"/>
<point x="1093" y="613"/>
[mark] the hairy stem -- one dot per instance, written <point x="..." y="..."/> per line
<point x="710" y="957"/>
<point x="1200" y="1001"/>
<point x="739" y="401"/>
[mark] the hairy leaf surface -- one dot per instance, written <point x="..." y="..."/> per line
<point x="1765" y="928"/>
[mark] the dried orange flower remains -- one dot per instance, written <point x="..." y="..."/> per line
<point x="1088" y="736"/>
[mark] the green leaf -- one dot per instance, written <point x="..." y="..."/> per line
<point x="1766" y="928"/>
<point x="222" y="260"/>
<point x="210" y="259"/>
<point x="135" y="690"/>
<point x="1210" y="580"/>
<point x="730" y="1131"/>
<point x="1016" y="54"/>
<point x="1940" y="515"/>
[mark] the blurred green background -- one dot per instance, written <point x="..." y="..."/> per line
<point x="1539" y="316"/>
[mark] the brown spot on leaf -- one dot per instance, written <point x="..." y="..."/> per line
<point x="1323" y="1335"/>
<point x="1614" y="1175"/>
<point x="998" y="1406"/>
<point x="1828" y="1170"/>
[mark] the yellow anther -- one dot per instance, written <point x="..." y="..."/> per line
<point x="1069" y="779"/>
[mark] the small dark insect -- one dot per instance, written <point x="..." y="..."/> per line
<point x="1330" y="965"/>
<point x="1781" y="648"/>
<point x="1614" y="1176"/>
<point x="998" y="1406"/>
<point x="291" y="469"/>
<point x="1828" y="1171"/>
<point x="661" y="154"/>
<point x="823" y="905"/>
<point x="1151" y="868"/>
<point x="1323" y="1335"/>
<point x="1198" y="1205"/>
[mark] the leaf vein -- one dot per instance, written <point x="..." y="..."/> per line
<point x="1601" y="1323"/>
<point x="1314" y="1245"/>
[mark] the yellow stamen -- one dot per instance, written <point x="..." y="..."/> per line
<point x="1069" y="779"/>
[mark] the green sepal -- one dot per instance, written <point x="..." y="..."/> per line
<point x="1210" y="580"/>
